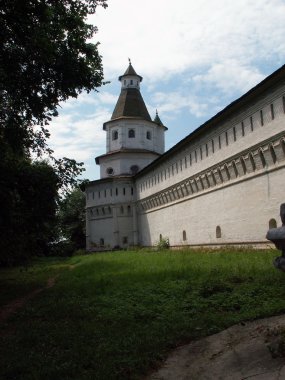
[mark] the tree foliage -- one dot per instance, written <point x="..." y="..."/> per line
<point x="45" y="57"/>
<point x="72" y="218"/>
<point x="28" y="203"/>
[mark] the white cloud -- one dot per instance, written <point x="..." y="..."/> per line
<point x="164" y="37"/>
<point x="93" y="98"/>
<point x="229" y="77"/>
<point x="174" y="102"/>
<point x="78" y="139"/>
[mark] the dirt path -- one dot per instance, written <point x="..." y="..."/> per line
<point x="17" y="304"/>
<point x="253" y="350"/>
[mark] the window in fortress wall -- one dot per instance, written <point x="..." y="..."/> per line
<point x="213" y="146"/>
<point x="242" y="128"/>
<point x="272" y="111"/>
<point x="235" y="134"/>
<point x="220" y="145"/>
<point x="261" y="118"/>
<point x="272" y="223"/>
<point x="251" y="123"/>
<point x="218" y="232"/>
<point x="227" y="138"/>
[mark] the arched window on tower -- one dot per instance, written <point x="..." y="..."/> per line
<point x="184" y="236"/>
<point x="115" y="135"/>
<point x="131" y="133"/>
<point x="148" y="135"/>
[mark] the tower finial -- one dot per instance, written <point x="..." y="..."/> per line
<point x="129" y="61"/>
<point x="156" y="112"/>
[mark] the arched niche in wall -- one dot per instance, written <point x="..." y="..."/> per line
<point x="272" y="223"/>
<point x="218" y="232"/>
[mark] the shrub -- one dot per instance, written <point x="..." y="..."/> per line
<point x="63" y="248"/>
<point x="163" y="243"/>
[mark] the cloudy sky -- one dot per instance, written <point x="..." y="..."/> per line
<point x="195" y="58"/>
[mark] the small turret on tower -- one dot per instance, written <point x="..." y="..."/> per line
<point x="130" y="79"/>
<point x="157" y="120"/>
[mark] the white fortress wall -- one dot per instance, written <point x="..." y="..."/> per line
<point x="242" y="211"/>
<point x="199" y="188"/>
<point x="247" y="128"/>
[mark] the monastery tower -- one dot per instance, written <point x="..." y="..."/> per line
<point x="133" y="141"/>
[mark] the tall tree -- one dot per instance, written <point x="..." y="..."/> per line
<point x="45" y="57"/>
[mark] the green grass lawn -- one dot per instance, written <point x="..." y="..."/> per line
<point x="117" y="315"/>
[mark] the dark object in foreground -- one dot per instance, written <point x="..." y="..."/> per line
<point x="277" y="236"/>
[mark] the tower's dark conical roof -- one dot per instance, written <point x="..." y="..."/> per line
<point x="131" y="104"/>
<point x="130" y="71"/>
